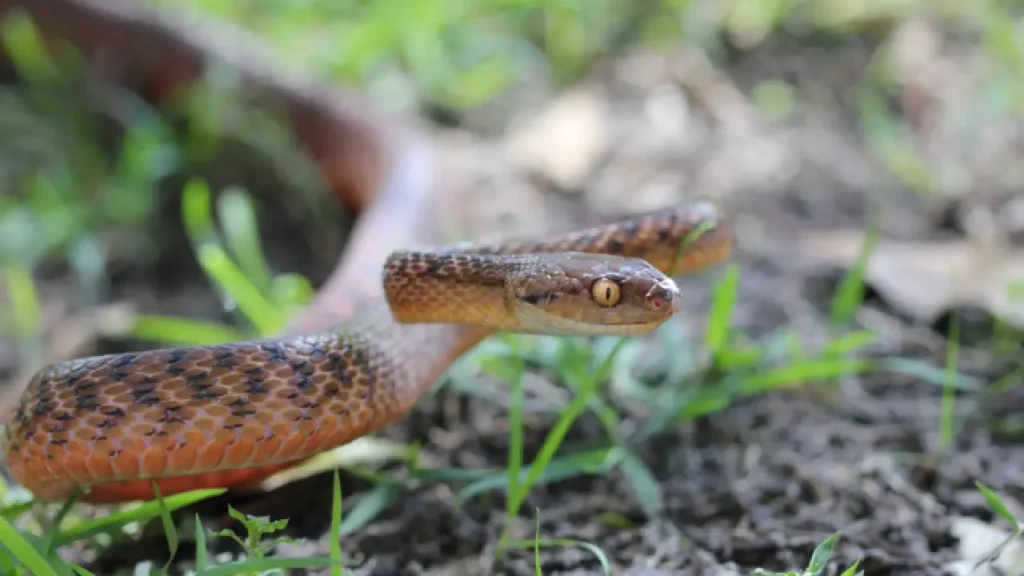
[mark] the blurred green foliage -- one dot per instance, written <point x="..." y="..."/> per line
<point x="60" y="188"/>
<point x="455" y="53"/>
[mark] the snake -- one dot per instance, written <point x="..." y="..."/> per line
<point x="106" y="428"/>
<point x="398" y="310"/>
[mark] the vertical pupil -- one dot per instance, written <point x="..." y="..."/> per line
<point x="608" y="293"/>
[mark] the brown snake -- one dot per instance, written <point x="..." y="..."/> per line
<point x="105" y="428"/>
<point x="232" y="414"/>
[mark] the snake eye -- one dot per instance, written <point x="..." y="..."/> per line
<point x="606" y="292"/>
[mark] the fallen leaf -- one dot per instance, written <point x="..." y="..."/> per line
<point x="977" y="540"/>
<point x="366" y="451"/>
<point x="926" y="279"/>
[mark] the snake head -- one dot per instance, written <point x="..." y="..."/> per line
<point x="585" y="294"/>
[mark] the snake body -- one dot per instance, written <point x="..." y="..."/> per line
<point x="104" y="428"/>
<point x="380" y="331"/>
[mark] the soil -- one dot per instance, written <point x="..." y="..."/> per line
<point x="758" y="484"/>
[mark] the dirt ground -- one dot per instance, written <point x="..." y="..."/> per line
<point x="761" y="483"/>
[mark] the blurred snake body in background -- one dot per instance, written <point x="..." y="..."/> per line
<point x="379" y="334"/>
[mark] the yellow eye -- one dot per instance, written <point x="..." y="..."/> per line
<point x="606" y="292"/>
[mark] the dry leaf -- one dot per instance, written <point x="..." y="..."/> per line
<point x="367" y="451"/>
<point x="977" y="540"/>
<point x="925" y="279"/>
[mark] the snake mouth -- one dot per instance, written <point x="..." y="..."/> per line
<point x="533" y="320"/>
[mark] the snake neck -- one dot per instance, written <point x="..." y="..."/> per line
<point x="405" y="361"/>
<point x="439" y="288"/>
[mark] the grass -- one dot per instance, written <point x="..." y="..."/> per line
<point x="72" y="197"/>
<point x="38" y="554"/>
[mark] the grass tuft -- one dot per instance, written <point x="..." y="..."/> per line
<point x="537" y="543"/>
<point x="555" y="437"/>
<point x="818" y="563"/>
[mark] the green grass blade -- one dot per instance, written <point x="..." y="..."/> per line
<point x="170" y="532"/>
<point x="197" y="214"/>
<point x="202" y="558"/>
<point x="515" y="423"/>
<point x="173" y="331"/>
<point x="259" y="565"/>
<point x="431" y="475"/>
<point x="536" y="546"/>
<point x="561" y="429"/>
<point x="26" y="48"/>
<point x="262" y="313"/>
<point x="719" y="323"/>
<point x="821" y="555"/>
<point x="21" y="289"/>
<point x="141" y="513"/>
<point x="7" y="564"/>
<point x="850" y="293"/>
<point x="852" y="570"/>
<point x="293" y="291"/>
<point x="606" y="564"/>
<point x="23" y="551"/>
<point x="995" y="502"/>
<point x="925" y="371"/>
<point x="1005" y="383"/>
<point x="597" y="461"/>
<point x="703" y="404"/>
<point x="58" y="520"/>
<point x="804" y="373"/>
<point x="15" y="510"/>
<point x="642" y="482"/>
<point x="334" y="545"/>
<point x="849" y="343"/>
<point x="688" y="241"/>
<point x="241" y="233"/>
<point x="370" y="506"/>
<point x="481" y="82"/>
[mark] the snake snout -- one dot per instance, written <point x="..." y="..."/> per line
<point x="664" y="294"/>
